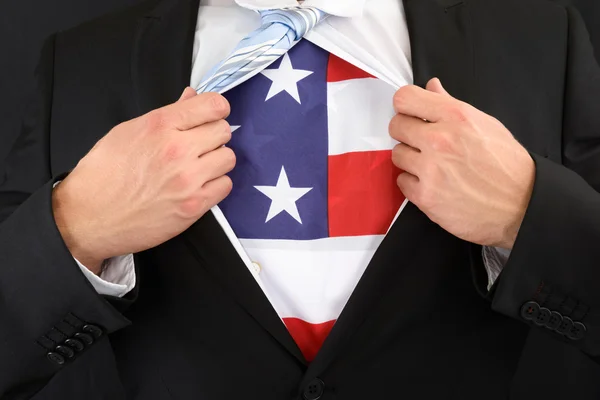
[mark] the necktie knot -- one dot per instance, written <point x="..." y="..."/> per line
<point x="298" y="20"/>
<point x="280" y="30"/>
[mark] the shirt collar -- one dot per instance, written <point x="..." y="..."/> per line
<point x="340" y="8"/>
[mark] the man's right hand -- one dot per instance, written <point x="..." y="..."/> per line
<point x="147" y="180"/>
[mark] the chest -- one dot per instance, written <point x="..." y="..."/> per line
<point x="314" y="186"/>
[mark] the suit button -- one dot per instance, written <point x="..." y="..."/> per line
<point x="530" y="310"/>
<point x="56" y="358"/>
<point x="75" y="344"/>
<point x="84" y="337"/>
<point x="577" y="331"/>
<point x="565" y="326"/>
<point x="65" y="351"/>
<point x="554" y="321"/>
<point x="93" y="330"/>
<point x="314" y="390"/>
<point x="543" y="317"/>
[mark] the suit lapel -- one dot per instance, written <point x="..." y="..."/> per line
<point x="161" y="68"/>
<point x="162" y="53"/>
<point x="441" y="47"/>
<point x="214" y="251"/>
<point x="442" y="44"/>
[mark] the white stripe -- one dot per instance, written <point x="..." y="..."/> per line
<point x="359" y="113"/>
<point x="343" y="243"/>
<point x="311" y="280"/>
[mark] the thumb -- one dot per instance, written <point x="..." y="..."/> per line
<point x="188" y="93"/>
<point x="435" y="85"/>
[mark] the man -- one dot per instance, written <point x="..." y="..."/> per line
<point x="298" y="282"/>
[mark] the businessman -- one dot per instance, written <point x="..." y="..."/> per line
<point x="328" y="200"/>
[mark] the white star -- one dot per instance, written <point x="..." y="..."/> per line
<point x="285" y="78"/>
<point x="283" y="197"/>
<point x="235" y="128"/>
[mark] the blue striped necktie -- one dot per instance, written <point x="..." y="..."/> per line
<point x="280" y="30"/>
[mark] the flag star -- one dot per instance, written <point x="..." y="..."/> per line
<point x="283" y="197"/>
<point x="235" y="128"/>
<point x="285" y="78"/>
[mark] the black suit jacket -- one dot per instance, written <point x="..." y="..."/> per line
<point x="420" y="323"/>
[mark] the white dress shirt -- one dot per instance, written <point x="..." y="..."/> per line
<point x="371" y="34"/>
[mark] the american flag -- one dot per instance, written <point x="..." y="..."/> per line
<point x="314" y="188"/>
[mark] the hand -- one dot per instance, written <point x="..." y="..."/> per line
<point x="463" y="168"/>
<point x="147" y="180"/>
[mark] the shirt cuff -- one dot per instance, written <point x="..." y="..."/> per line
<point x="117" y="277"/>
<point x="494" y="260"/>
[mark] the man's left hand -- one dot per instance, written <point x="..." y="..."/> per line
<point x="462" y="167"/>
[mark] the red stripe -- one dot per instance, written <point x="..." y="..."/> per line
<point x="308" y="337"/>
<point x="342" y="70"/>
<point x="363" y="195"/>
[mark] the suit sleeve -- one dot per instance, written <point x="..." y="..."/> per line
<point x="50" y="315"/>
<point x="552" y="278"/>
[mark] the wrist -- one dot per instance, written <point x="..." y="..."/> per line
<point x="510" y="237"/>
<point x="74" y="236"/>
<point x="511" y="230"/>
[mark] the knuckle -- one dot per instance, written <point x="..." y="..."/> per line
<point x="183" y="181"/>
<point x="229" y="158"/>
<point x="172" y="151"/>
<point x="224" y="129"/>
<point x="156" y="120"/>
<point x="216" y="191"/>
<point x="192" y="206"/>
<point x="219" y="104"/>
<point x="442" y="142"/>
<point x="404" y="96"/>
<point x="400" y="182"/>
<point x="401" y="97"/>
<point x="394" y="126"/>
<point x="183" y="115"/>
<point x="458" y="112"/>
<point x="396" y="154"/>
<point x="227" y="185"/>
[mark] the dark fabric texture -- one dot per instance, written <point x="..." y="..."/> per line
<point x="420" y="323"/>
<point x="24" y="24"/>
<point x="590" y="11"/>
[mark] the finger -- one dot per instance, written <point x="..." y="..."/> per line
<point x="417" y="102"/>
<point x="410" y="130"/>
<point x="431" y="105"/>
<point x="188" y="93"/>
<point x="435" y="85"/>
<point x="208" y="137"/>
<point x="408" y="183"/>
<point x="407" y="158"/>
<point x="217" y="189"/>
<point x="197" y="110"/>
<point x="215" y="164"/>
